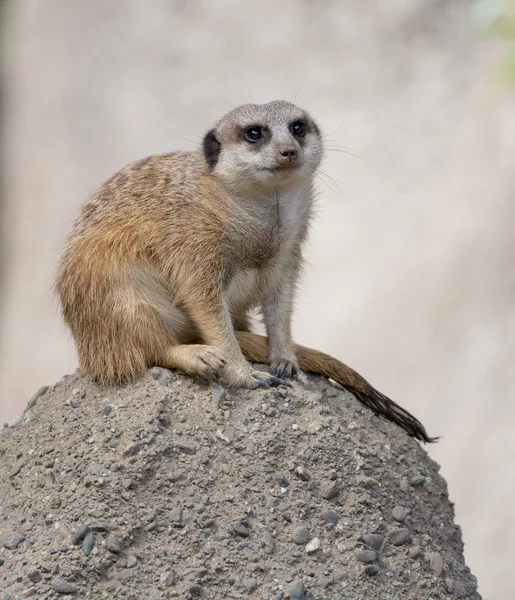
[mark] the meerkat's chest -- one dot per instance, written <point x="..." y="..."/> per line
<point x="293" y="207"/>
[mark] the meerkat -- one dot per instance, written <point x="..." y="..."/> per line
<point x="168" y="257"/>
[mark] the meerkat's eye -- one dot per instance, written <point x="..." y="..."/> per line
<point x="298" y="128"/>
<point x="253" y="134"/>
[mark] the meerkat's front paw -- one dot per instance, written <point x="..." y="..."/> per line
<point x="196" y="359"/>
<point x="285" y="367"/>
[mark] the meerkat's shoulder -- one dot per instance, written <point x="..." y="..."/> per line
<point x="167" y="164"/>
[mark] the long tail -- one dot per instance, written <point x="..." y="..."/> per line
<point x="255" y="349"/>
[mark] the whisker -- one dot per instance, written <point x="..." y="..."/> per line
<point x="327" y="181"/>
<point x="296" y="93"/>
<point x="250" y="93"/>
<point x="311" y="100"/>
<point x="199" y="137"/>
<point x="335" y="131"/>
<point x="341" y="151"/>
<point x="336" y="180"/>
<point x="227" y="101"/>
<point x="333" y="183"/>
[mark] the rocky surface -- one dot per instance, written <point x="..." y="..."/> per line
<point x="171" y="488"/>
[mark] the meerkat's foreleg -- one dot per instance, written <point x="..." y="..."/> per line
<point x="277" y="311"/>
<point x="195" y="359"/>
<point x="213" y="320"/>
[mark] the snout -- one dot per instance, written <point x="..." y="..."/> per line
<point x="287" y="155"/>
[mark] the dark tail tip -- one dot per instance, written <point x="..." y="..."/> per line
<point x="382" y="405"/>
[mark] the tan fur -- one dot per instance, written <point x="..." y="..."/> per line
<point x="170" y="254"/>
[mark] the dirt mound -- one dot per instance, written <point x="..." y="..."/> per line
<point x="171" y="488"/>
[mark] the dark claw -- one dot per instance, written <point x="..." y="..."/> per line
<point x="263" y="383"/>
<point x="286" y="369"/>
<point x="277" y="381"/>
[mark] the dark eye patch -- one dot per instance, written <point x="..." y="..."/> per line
<point x="253" y="134"/>
<point x="299" y="128"/>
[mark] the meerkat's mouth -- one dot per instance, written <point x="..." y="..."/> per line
<point x="283" y="169"/>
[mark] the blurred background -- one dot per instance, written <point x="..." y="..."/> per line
<point x="411" y="276"/>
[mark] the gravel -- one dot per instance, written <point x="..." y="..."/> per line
<point x="399" y="513"/>
<point x="13" y="540"/>
<point x="88" y="542"/>
<point x="398" y="537"/>
<point x="301" y="535"/>
<point x="181" y="490"/>
<point x="114" y="543"/>
<point x="366" y="556"/>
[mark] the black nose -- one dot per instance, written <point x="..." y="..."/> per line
<point x="288" y="154"/>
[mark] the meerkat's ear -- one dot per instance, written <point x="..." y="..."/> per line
<point x="211" y="148"/>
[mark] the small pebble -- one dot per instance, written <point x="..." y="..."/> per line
<point x="17" y="467"/>
<point x="398" y="537"/>
<point x="88" y="542"/>
<point x="218" y="393"/>
<point x="187" y="447"/>
<point x="373" y="540"/>
<point x="79" y="534"/>
<point x="329" y="490"/>
<point x="302" y="473"/>
<point x="366" y="556"/>
<point x="132" y="561"/>
<point x="297" y="591"/>
<point x="313" y="545"/>
<point x="417" y="480"/>
<point x="99" y="527"/>
<point x="195" y="590"/>
<point x="399" y="513"/>
<point x="125" y="574"/>
<point x="415" y="551"/>
<point x="199" y="573"/>
<point x="240" y="529"/>
<point x="459" y="590"/>
<point x="167" y="578"/>
<point x="35" y="576"/>
<point x="282" y="481"/>
<point x="226" y="434"/>
<point x="331" y="517"/>
<point x="15" y="421"/>
<point x="107" y="410"/>
<point x="301" y="535"/>
<point x="249" y="584"/>
<point x="63" y="587"/>
<point x="371" y="570"/>
<point x="268" y="542"/>
<point x="114" y="543"/>
<point x="13" y="540"/>
<point x="436" y="563"/>
<point x="176" y="516"/>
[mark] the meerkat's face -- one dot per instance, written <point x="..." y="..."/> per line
<point x="267" y="145"/>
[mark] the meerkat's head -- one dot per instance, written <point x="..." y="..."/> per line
<point x="264" y="145"/>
